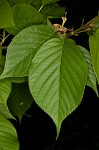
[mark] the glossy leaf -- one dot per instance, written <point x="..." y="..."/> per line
<point x="94" y="50"/>
<point x="6" y="15"/>
<point x="30" y="17"/>
<point x="8" y="135"/>
<point x="23" y="48"/>
<point x="20" y="99"/>
<point x="91" y="81"/>
<point x="57" y="78"/>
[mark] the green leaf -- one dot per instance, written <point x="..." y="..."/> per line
<point x="25" y="15"/>
<point x="18" y="79"/>
<point x="14" y="31"/>
<point x="37" y="4"/>
<point x="21" y="1"/>
<point x="45" y="2"/>
<point x="53" y="11"/>
<point x="6" y="15"/>
<point x="8" y="135"/>
<point x="5" y="112"/>
<point x="91" y="81"/>
<point x="94" y="50"/>
<point x="57" y="78"/>
<point x="5" y="89"/>
<point x="20" y="99"/>
<point x="23" y="48"/>
<point x="0" y="53"/>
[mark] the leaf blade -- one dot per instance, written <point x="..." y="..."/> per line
<point x="94" y="50"/>
<point x="23" y="20"/>
<point x="6" y="15"/>
<point x="20" y="99"/>
<point x="21" y="50"/>
<point x="91" y="81"/>
<point x="8" y="136"/>
<point x="47" y="77"/>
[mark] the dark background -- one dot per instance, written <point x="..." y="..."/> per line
<point x="80" y="130"/>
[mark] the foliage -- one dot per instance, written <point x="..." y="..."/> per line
<point x="42" y="63"/>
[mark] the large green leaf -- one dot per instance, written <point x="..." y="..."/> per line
<point x="91" y="81"/>
<point x="53" y="11"/>
<point x="23" y="48"/>
<point x="20" y="99"/>
<point x="94" y="50"/>
<point x="25" y="15"/>
<point x="8" y="135"/>
<point x="57" y="77"/>
<point x="6" y="15"/>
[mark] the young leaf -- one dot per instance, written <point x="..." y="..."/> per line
<point x="20" y="99"/>
<point x="94" y="50"/>
<point x="25" y="15"/>
<point x="8" y="135"/>
<point x="91" y="81"/>
<point x="23" y="48"/>
<point x="6" y="15"/>
<point x="57" y="78"/>
<point x="45" y="2"/>
<point x="53" y="11"/>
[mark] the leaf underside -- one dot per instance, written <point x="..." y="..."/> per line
<point x="91" y="81"/>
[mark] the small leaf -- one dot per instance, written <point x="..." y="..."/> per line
<point x="53" y="11"/>
<point x="20" y="99"/>
<point x="23" y="20"/>
<point x="8" y="135"/>
<point x="91" y="81"/>
<point x="23" y="48"/>
<point x="57" y="78"/>
<point x="45" y="2"/>
<point x="94" y="50"/>
<point x="6" y="15"/>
